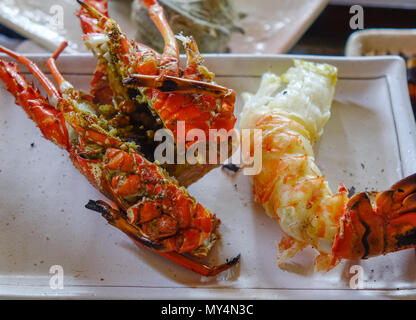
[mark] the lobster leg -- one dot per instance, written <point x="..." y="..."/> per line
<point x="120" y="47"/>
<point x="49" y="120"/>
<point x="100" y="88"/>
<point x="176" y="84"/>
<point x="115" y="218"/>
<point x="170" y="57"/>
<point x="107" y="83"/>
<point x="194" y="69"/>
<point x="193" y="60"/>
<point x="52" y="64"/>
<point x="89" y="23"/>
<point x="116" y="31"/>
<point x="44" y="120"/>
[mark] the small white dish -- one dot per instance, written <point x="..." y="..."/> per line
<point x="372" y="42"/>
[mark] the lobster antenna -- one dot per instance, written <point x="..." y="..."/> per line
<point x="51" y="63"/>
<point x="34" y="69"/>
<point x="91" y="10"/>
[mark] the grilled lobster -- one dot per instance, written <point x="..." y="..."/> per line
<point x="141" y="91"/>
<point x="147" y="204"/>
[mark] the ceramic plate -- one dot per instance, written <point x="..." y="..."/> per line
<point x="373" y="42"/>
<point x="369" y="143"/>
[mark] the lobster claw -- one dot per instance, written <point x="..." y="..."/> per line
<point x="115" y="218"/>
<point x="389" y="225"/>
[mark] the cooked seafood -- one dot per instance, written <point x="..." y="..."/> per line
<point x="140" y="90"/>
<point x="291" y="110"/>
<point x="148" y="205"/>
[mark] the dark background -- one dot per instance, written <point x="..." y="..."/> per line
<point x="329" y="33"/>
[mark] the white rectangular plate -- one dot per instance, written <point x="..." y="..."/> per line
<point x="369" y="143"/>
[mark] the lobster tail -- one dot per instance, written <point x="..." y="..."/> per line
<point x="399" y="200"/>
<point x="371" y="227"/>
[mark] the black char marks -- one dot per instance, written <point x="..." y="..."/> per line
<point x="406" y="240"/>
